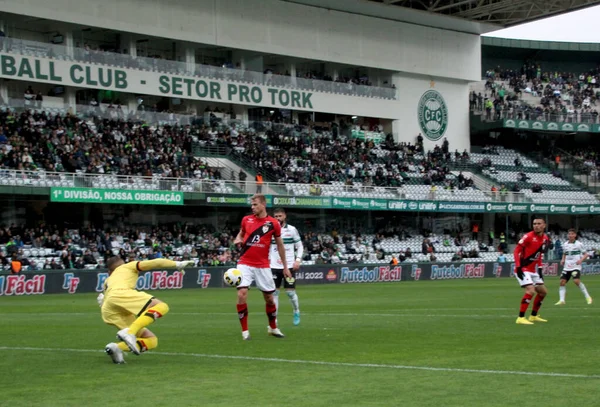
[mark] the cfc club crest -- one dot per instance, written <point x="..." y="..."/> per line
<point x="433" y="115"/>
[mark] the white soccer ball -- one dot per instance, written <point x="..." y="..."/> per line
<point x="232" y="277"/>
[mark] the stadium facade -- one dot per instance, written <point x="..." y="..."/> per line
<point x="429" y="68"/>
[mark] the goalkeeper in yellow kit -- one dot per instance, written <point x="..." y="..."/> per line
<point x="131" y="311"/>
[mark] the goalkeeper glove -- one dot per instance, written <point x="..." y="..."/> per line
<point x="519" y="272"/>
<point x="180" y="265"/>
<point x="100" y="299"/>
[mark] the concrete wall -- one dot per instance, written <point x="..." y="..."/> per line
<point x="45" y="70"/>
<point x="455" y="95"/>
<point x="275" y="27"/>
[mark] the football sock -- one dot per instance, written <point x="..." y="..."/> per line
<point x="294" y="300"/>
<point x="276" y="299"/>
<point x="525" y="304"/>
<point x="242" y="310"/>
<point x="143" y="344"/>
<point x="537" y="303"/>
<point x="272" y="315"/>
<point x="148" y="317"/>
<point x="584" y="290"/>
<point x="123" y="346"/>
<point x="562" y="292"/>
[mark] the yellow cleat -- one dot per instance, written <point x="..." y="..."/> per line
<point x="537" y="319"/>
<point x="523" y="321"/>
<point x="560" y="303"/>
<point x="589" y="300"/>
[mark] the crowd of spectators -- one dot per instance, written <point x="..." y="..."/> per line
<point x="34" y="140"/>
<point x="563" y="96"/>
<point x="88" y="247"/>
<point x="315" y="155"/>
<point x="114" y="143"/>
<point x="45" y="246"/>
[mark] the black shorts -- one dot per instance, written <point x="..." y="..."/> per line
<point x="566" y="275"/>
<point x="278" y="277"/>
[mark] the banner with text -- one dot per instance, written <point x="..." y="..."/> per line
<point x="302" y="201"/>
<point x="86" y="281"/>
<point x="153" y="82"/>
<point x="233" y="199"/>
<point x="115" y="196"/>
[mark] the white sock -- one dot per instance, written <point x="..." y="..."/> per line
<point x="276" y="299"/>
<point x="294" y="300"/>
<point x="562" y="291"/>
<point x="584" y="290"/>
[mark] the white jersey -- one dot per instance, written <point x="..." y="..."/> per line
<point x="293" y="247"/>
<point x="573" y="252"/>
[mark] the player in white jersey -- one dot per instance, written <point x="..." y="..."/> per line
<point x="293" y="254"/>
<point x="574" y="255"/>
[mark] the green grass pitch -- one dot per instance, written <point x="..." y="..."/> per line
<point x="443" y="343"/>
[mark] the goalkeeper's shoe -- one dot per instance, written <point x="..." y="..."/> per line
<point x="560" y="303"/>
<point x="275" y="332"/>
<point x="246" y="335"/>
<point x="589" y="300"/>
<point x="523" y="321"/>
<point x="536" y="318"/>
<point x="116" y="354"/>
<point x="129" y="339"/>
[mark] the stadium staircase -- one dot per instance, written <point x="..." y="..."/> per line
<point x="224" y="157"/>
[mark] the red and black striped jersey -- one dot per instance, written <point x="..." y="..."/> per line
<point x="257" y="233"/>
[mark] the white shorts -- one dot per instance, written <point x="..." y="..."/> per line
<point x="262" y="276"/>
<point x="529" y="279"/>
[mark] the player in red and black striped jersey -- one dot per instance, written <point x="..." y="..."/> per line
<point x="255" y="236"/>
<point x="529" y="254"/>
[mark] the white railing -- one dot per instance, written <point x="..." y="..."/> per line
<point x="61" y="52"/>
<point x="44" y="179"/>
<point x="533" y="115"/>
<point x="116" y="112"/>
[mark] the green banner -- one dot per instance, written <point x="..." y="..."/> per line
<point x="506" y="207"/>
<point x="97" y="76"/>
<point x="115" y="196"/>
<point x="234" y="199"/>
<point x="413" y="206"/>
<point x="303" y="201"/>
<point x="375" y="137"/>
<point x="551" y="126"/>
<point x="360" y="203"/>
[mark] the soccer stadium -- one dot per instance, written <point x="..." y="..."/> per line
<point x="438" y="183"/>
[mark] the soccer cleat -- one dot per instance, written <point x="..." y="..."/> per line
<point x="275" y="332"/>
<point x="246" y="335"/>
<point x="536" y="318"/>
<point x="297" y="318"/>
<point x="129" y="339"/>
<point x="560" y="303"/>
<point x="116" y="354"/>
<point x="589" y="300"/>
<point x="523" y="321"/>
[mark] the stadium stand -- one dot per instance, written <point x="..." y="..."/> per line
<point x="536" y="95"/>
<point x="357" y="85"/>
<point x="50" y="247"/>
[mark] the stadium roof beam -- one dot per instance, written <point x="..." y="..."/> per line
<point x="469" y="16"/>
<point x="499" y="12"/>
